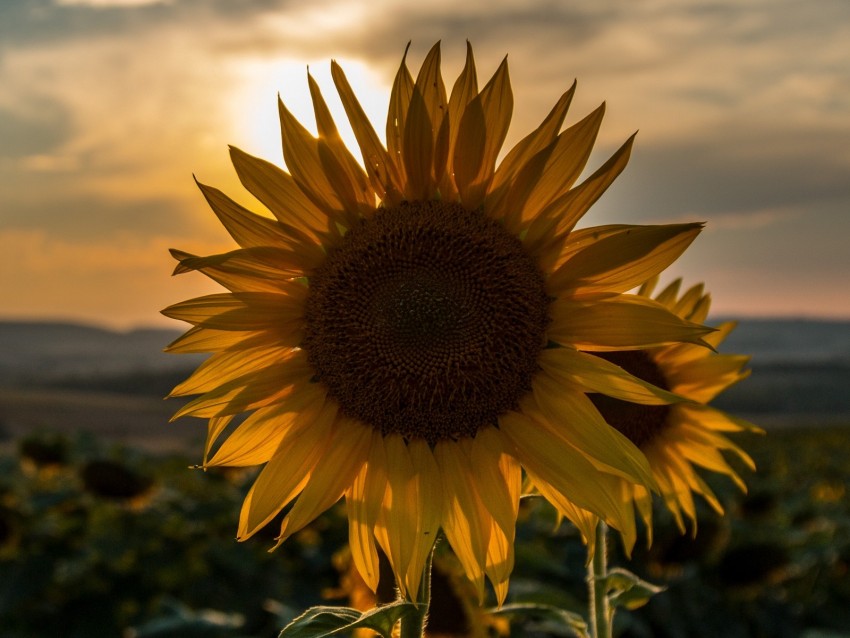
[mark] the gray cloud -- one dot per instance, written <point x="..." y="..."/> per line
<point x="43" y="126"/>
<point x="74" y="217"/>
<point x="719" y="173"/>
<point x="36" y="22"/>
<point x="742" y="106"/>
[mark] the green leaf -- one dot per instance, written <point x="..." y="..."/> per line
<point x="318" y="622"/>
<point x="625" y="589"/>
<point x="574" y="621"/>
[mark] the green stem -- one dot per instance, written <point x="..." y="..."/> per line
<point x="413" y="625"/>
<point x="601" y="617"/>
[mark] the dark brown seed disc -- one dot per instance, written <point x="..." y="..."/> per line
<point x="426" y="321"/>
<point x="640" y="423"/>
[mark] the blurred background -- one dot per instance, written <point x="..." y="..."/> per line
<point x="107" y="109"/>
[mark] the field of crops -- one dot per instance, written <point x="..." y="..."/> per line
<point x="97" y="540"/>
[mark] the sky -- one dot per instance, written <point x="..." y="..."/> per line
<point x="109" y="107"/>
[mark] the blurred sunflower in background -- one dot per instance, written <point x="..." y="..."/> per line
<point x="677" y="439"/>
<point x="405" y="332"/>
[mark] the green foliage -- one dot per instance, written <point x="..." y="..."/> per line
<point x="147" y="549"/>
<point x="625" y="589"/>
<point x="775" y="565"/>
<point x="573" y="624"/>
<point x="322" y="622"/>
<point x="106" y="539"/>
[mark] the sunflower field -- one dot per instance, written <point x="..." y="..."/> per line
<point x="99" y="540"/>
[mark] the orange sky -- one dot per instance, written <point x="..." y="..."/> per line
<point x="108" y="107"/>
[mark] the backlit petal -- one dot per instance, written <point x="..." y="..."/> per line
<point x="619" y="323"/>
<point x="481" y="133"/>
<point x="286" y="474"/>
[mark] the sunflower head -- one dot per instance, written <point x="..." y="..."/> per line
<point x="404" y="329"/>
<point x="427" y="321"/>
<point x="680" y="438"/>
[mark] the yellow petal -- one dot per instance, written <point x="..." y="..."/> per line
<point x="550" y="460"/>
<point x="624" y="260"/>
<point x="668" y="296"/>
<point x="397" y="113"/>
<point x="564" y="164"/>
<point x="688" y="302"/>
<point x="594" y="374"/>
<point x="224" y="367"/>
<point x="364" y="499"/>
<point x="466" y="521"/>
<point x="464" y="90"/>
<point x="707" y="417"/>
<point x="428" y="509"/>
<point x="249" y="229"/>
<point x="622" y="322"/>
<point x="498" y="478"/>
<point x="683" y="353"/>
<point x="581" y="238"/>
<point x="353" y="189"/>
<point x="547" y="230"/>
<point x="257" y="269"/>
<point x="397" y="526"/>
<point x="690" y="423"/>
<point x="334" y="473"/>
<point x="382" y="172"/>
<point x="215" y="428"/>
<point x="421" y="127"/>
<point x="481" y="133"/>
<point x="703" y="379"/>
<point x="277" y="191"/>
<point x="582" y="519"/>
<point x="200" y="339"/>
<point x="322" y="181"/>
<point x="574" y="417"/>
<point x="257" y="438"/>
<point x="700" y="311"/>
<point x="286" y="474"/>
<point x="677" y="471"/>
<point x="647" y="287"/>
<point x="534" y="142"/>
<point x="643" y="504"/>
<point x="255" y="389"/>
<point x="242" y="310"/>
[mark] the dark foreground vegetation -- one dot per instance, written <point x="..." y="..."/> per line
<point x="102" y="541"/>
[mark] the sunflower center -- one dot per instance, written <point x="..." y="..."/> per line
<point x="426" y="321"/>
<point x="639" y="423"/>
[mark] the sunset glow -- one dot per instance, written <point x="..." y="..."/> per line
<point x="109" y="107"/>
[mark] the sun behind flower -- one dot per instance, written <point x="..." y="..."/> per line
<point x="406" y="335"/>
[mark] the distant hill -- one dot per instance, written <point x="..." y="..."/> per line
<point x="82" y="356"/>
<point x="809" y="341"/>
<point x="801" y="368"/>
<point x="800" y="371"/>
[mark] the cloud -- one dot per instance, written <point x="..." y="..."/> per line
<point x="732" y="170"/>
<point x="120" y="283"/>
<point x="102" y="4"/>
<point x="100" y="219"/>
<point x="35" y="125"/>
<point x="109" y="106"/>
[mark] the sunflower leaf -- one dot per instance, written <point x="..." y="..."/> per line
<point x="322" y="621"/>
<point x="575" y="622"/>
<point x="627" y="590"/>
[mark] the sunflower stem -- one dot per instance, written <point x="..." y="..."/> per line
<point x="601" y="616"/>
<point x="413" y="625"/>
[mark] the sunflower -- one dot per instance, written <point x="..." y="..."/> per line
<point x="404" y="332"/>
<point x="677" y="439"/>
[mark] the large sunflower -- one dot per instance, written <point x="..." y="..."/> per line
<point x="404" y="332"/>
<point x="677" y="439"/>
